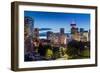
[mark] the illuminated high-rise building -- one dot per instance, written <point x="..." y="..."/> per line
<point x="49" y="35"/>
<point x="73" y="28"/>
<point x="75" y="34"/>
<point x="28" y="33"/>
<point x="86" y="36"/>
<point x="36" y="33"/>
<point x="29" y="24"/>
<point x="63" y="39"/>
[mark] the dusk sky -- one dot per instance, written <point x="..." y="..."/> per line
<point x="55" y="20"/>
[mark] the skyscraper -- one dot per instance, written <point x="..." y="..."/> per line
<point x="36" y="33"/>
<point x="73" y="28"/>
<point x="28" y="32"/>
<point x="29" y="23"/>
<point x="62" y="31"/>
<point x="49" y="35"/>
<point x="81" y="30"/>
<point x="75" y="35"/>
<point x="86" y="36"/>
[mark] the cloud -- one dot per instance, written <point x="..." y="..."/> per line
<point x="43" y="29"/>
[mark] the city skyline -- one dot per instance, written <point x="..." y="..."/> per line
<point x="56" y="20"/>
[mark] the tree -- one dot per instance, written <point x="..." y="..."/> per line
<point x="56" y="53"/>
<point x="49" y="54"/>
<point x="74" y="48"/>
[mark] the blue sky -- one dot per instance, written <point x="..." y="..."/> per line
<point x="55" y="20"/>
